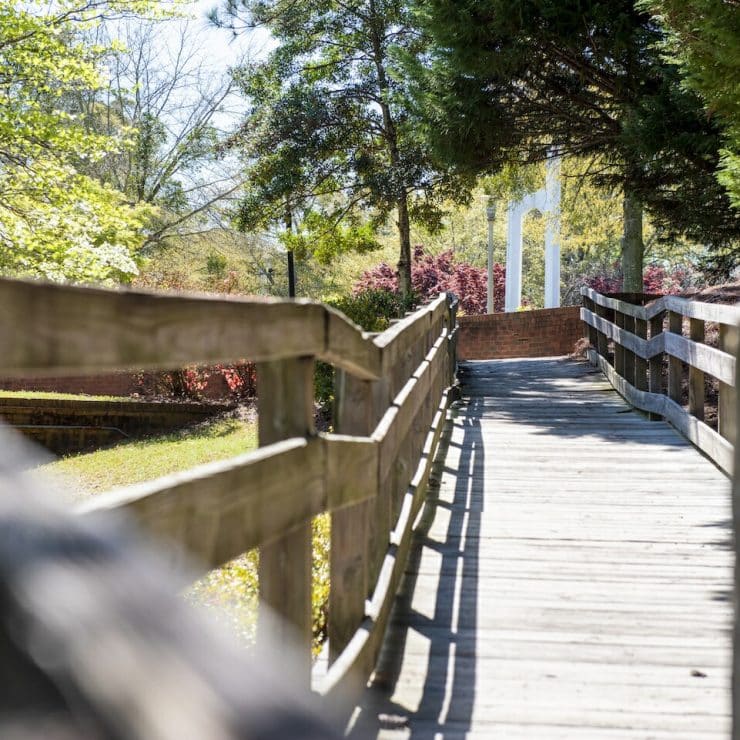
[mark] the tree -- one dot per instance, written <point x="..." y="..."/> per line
<point x="329" y="130"/>
<point x="508" y="79"/>
<point x="166" y="100"/>
<point x="703" y="37"/>
<point x="55" y="221"/>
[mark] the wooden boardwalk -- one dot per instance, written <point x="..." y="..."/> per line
<point x="571" y="577"/>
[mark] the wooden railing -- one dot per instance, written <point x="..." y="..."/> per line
<point x="393" y="390"/>
<point x="646" y="338"/>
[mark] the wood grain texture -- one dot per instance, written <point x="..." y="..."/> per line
<point x="285" y="405"/>
<point x="559" y="593"/>
<point x="716" y="312"/>
<point x="62" y="329"/>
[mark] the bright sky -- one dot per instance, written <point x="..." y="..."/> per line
<point x="221" y="47"/>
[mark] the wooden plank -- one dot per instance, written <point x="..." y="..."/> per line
<point x="630" y="357"/>
<point x="675" y="369"/>
<point x="716" y="312"/>
<point x="349" y="348"/>
<point x="621" y="336"/>
<point x="641" y="365"/>
<point x="285" y="405"/>
<point x="61" y="329"/>
<point x="704" y="437"/>
<point x="696" y="376"/>
<point x="355" y="414"/>
<point x="655" y="382"/>
<point x="522" y="617"/>
<point x="709" y="360"/>
<point x="361" y="653"/>
<point x="219" y="510"/>
<point x="736" y="585"/>
<point x="728" y="396"/>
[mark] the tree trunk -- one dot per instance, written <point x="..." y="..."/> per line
<point x="632" y="245"/>
<point x="404" y="262"/>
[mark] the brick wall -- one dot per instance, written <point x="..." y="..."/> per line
<point x="111" y="384"/>
<point x="543" y="333"/>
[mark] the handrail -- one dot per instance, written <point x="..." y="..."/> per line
<point x="393" y="390"/>
<point x="637" y="367"/>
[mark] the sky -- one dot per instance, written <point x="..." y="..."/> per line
<point x="221" y="47"/>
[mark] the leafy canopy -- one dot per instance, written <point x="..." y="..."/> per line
<point x="54" y="221"/>
<point x="507" y="79"/>
<point x="329" y="129"/>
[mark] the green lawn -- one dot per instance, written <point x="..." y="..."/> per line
<point x="230" y="591"/>
<point x="139" y="460"/>
<point x="62" y="396"/>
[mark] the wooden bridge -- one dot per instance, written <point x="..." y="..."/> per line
<point x="522" y="554"/>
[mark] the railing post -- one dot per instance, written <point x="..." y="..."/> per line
<point x="619" y="351"/>
<point x="350" y="528"/>
<point x="696" y="377"/>
<point x="675" y="367"/>
<point x="589" y="332"/>
<point x="601" y="338"/>
<point x="656" y="363"/>
<point x="628" y="323"/>
<point x="641" y="365"/>
<point x="285" y="405"/>
<point x="728" y="342"/>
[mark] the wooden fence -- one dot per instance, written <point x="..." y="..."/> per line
<point x="646" y="339"/>
<point x="393" y="390"/>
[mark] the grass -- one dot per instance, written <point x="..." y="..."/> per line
<point x="232" y="590"/>
<point x="143" y="459"/>
<point x="50" y="395"/>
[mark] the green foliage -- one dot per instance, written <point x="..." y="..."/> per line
<point x="371" y="310"/>
<point x="54" y="221"/>
<point x="329" y="127"/>
<point x="703" y="38"/>
<point x="507" y="80"/>
<point x="321" y="237"/>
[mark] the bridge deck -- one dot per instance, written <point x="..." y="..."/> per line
<point x="572" y="580"/>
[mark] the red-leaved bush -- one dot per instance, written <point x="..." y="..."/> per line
<point x="655" y="279"/>
<point x="432" y="274"/>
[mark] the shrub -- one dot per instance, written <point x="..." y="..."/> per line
<point x="655" y="279"/>
<point x="440" y="273"/>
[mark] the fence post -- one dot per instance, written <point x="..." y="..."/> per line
<point x="349" y="577"/>
<point x="736" y="546"/>
<point x="601" y="338"/>
<point x="285" y="406"/>
<point x="656" y="363"/>
<point x="696" y="377"/>
<point x="589" y="332"/>
<point x="619" y="351"/>
<point x="641" y="365"/>
<point x="628" y="323"/>
<point x="728" y="342"/>
<point x="675" y="367"/>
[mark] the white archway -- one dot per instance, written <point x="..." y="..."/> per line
<point x="547" y="201"/>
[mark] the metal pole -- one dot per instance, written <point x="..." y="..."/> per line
<point x="491" y="216"/>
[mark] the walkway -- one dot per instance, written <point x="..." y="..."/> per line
<point x="573" y="581"/>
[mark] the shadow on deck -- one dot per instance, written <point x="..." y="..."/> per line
<point x="570" y="575"/>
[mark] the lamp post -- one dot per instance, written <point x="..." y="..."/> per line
<point x="491" y="217"/>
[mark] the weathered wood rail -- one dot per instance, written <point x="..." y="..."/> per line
<point x="393" y="390"/>
<point x="642" y="336"/>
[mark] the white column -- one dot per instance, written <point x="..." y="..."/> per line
<point x="514" y="259"/>
<point x="552" y="234"/>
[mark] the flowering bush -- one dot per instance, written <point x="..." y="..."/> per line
<point x="435" y="274"/>
<point x="192" y="382"/>
<point x="655" y="279"/>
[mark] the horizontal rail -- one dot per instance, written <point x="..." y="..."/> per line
<point x="374" y="481"/>
<point x="219" y="510"/>
<point x="716" y="312"/>
<point x="638" y="362"/>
